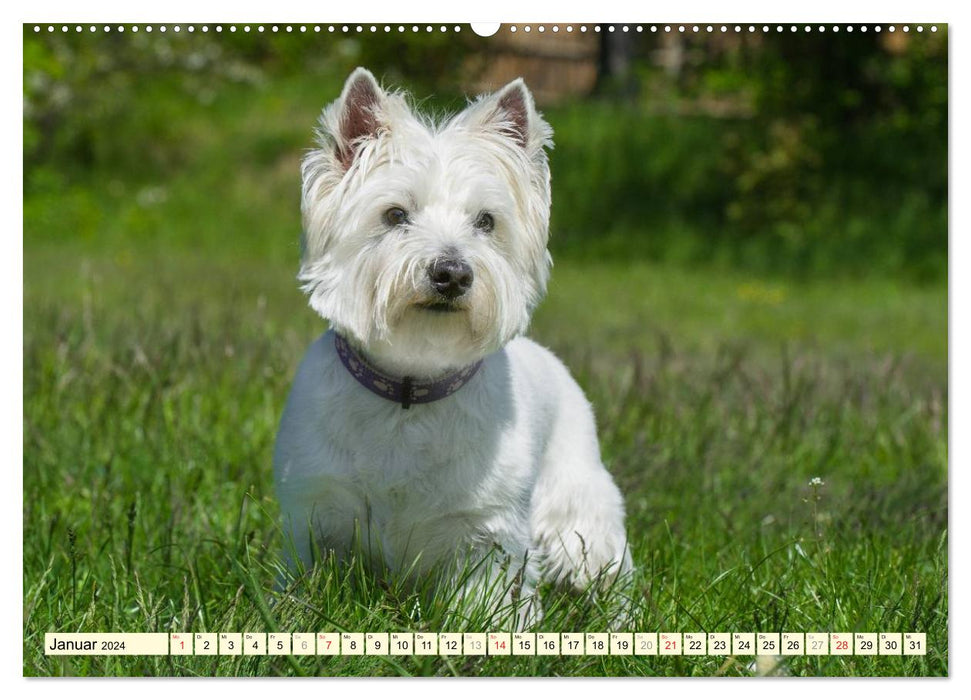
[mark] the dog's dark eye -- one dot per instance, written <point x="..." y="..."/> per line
<point x="395" y="216"/>
<point x="485" y="222"/>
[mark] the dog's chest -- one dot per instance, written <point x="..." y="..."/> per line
<point x="434" y="460"/>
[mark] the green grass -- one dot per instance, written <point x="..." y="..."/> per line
<point x="163" y="325"/>
<point x="153" y="387"/>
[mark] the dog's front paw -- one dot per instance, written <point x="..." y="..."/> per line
<point x="582" y="561"/>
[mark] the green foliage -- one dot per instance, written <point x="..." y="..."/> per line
<point x="617" y="171"/>
<point x="821" y="152"/>
<point x="854" y="136"/>
<point x="437" y="63"/>
<point x="113" y="98"/>
<point x="117" y="99"/>
<point x="796" y="155"/>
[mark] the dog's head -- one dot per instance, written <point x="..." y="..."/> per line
<point x="424" y="242"/>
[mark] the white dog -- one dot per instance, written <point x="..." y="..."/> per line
<point x="423" y="427"/>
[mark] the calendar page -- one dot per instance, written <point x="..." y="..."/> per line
<point x="485" y="350"/>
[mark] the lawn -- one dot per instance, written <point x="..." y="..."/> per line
<point x="163" y="325"/>
<point x="153" y="386"/>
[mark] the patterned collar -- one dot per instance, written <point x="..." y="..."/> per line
<point x="405" y="390"/>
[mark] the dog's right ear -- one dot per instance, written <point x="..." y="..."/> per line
<point x="358" y="115"/>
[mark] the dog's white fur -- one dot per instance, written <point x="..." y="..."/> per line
<point x="508" y="466"/>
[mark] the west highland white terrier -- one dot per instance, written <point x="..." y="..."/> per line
<point x="423" y="429"/>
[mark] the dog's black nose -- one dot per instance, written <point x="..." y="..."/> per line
<point x="450" y="277"/>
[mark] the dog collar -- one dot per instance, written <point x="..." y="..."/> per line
<point x="405" y="391"/>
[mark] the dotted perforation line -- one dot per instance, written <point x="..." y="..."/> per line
<point x="714" y="28"/>
<point x="415" y="28"/>
<point x="246" y="28"/>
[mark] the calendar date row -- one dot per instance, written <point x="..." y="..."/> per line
<point x="489" y="644"/>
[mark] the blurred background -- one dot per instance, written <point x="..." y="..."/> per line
<point x="791" y="153"/>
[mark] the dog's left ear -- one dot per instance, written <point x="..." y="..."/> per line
<point x="512" y="112"/>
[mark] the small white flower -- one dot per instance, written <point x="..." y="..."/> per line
<point x="151" y="196"/>
<point x="816" y="481"/>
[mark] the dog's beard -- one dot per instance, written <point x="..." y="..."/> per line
<point x="409" y="329"/>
